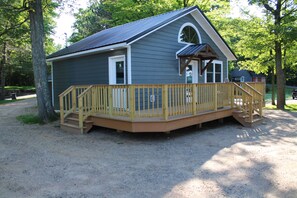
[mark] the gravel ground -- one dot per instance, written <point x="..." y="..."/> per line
<point x="215" y="161"/>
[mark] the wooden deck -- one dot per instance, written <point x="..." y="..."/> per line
<point x="158" y="108"/>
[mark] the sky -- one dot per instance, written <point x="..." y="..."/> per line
<point x="66" y="19"/>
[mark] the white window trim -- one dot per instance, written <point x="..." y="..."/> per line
<point x="191" y="25"/>
<point x="110" y="59"/>
<point x="214" y="70"/>
<point x="129" y="69"/>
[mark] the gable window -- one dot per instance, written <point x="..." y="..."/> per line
<point x="214" y="72"/>
<point x="189" y="34"/>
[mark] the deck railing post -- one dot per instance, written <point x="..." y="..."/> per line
<point x="73" y="93"/>
<point x="165" y="101"/>
<point x="131" y="90"/>
<point x="94" y="99"/>
<point x="232" y="94"/>
<point x="80" y="114"/>
<point x="194" y="98"/>
<point x="215" y="96"/>
<point x="110" y="100"/>
<point x="61" y="109"/>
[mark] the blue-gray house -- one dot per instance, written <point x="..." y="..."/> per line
<point x="181" y="46"/>
<point x="157" y="74"/>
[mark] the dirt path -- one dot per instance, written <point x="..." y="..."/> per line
<point x="216" y="161"/>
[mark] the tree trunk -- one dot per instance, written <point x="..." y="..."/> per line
<point x="2" y="71"/>
<point x="45" y="109"/>
<point x="272" y="86"/>
<point x="278" y="59"/>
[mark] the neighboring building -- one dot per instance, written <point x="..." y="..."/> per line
<point x="246" y="76"/>
<point x="181" y="46"/>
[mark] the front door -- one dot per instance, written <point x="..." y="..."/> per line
<point x="191" y="77"/>
<point x="192" y="72"/>
<point x="117" y="76"/>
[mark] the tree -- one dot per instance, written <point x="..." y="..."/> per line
<point x="45" y="109"/>
<point x="280" y="10"/>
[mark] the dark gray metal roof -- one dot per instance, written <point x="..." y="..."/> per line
<point x="192" y="50"/>
<point x="202" y="51"/>
<point x="123" y="33"/>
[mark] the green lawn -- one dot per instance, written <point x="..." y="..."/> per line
<point x="2" y="102"/>
<point x="268" y="94"/>
<point x="23" y="88"/>
<point x="289" y="107"/>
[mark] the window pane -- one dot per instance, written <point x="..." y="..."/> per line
<point x="210" y="68"/>
<point x="189" y="74"/>
<point x="218" y="68"/>
<point x="189" y="35"/>
<point x="218" y="77"/>
<point x="120" y="72"/>
<point x="209" y="77"/>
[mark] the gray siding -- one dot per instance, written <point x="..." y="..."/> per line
<point x="154" y="56"/>
<point x="85" y="70"/>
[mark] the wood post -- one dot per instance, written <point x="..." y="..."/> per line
<point x="80" y="114"/>
<point x="110" y="100"/>
<point x="94" y="99"/>
<point x="215" y="96"/>
<point x="165" y="101"/>
<point x="73" y="98"/>
<point x="61" y="109"/>
<point x="232" y="94"/>
<point x="131" y="89"/>
<point x="194" y="99"/>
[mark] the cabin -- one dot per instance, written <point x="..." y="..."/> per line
<point x="238" y="75"/>
<point x="156" y="74"/>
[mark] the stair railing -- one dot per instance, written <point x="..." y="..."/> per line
<point x="85" y="105"/>
<point x="243" y="101"/>
<point x="66" y="103"/>
<point x="257" y="98"/>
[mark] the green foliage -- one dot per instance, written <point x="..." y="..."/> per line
<point x="21" y="88"/>
<point x="29" y="119"/>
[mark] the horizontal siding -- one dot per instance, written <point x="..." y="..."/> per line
<point x="92" y="69"/>
<point x="154" y="56"/>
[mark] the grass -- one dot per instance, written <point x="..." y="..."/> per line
<point x="289" y="107"/>
<point x="288" y="92"/>
<point x="21" y="88"/>
<point x="29" y="119"/>
<point x="2" y="102"/>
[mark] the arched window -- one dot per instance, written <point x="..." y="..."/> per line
<point x="188" y="33"/>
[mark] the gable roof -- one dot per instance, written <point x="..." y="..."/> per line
<point x="202" y="51"/>
<point x="128" y="33"/>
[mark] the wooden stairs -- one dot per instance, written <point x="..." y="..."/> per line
<point x="71" y="124"/>
<point x="244" y="118"/>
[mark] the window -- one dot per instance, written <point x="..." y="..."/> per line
<point x="188" y="33"/>
<point x="214" y="72"/>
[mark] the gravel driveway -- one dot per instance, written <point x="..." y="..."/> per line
<point x="219" y="160"/>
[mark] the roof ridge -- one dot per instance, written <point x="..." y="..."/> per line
<point x="138" y="20"/>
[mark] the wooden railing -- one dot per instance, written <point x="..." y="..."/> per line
<point x="165" y="101"/>
<point x="257" y="97"/>
<point x="69" y="100"/>
<point x="243" y="101"/>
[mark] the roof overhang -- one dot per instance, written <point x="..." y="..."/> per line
<point x="88" y="52"/>
<point x="213" y="34"/>
<point x="198" y="52"/>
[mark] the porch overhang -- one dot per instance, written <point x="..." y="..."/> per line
<point x="198" y="52"/>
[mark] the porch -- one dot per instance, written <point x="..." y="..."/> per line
<point x="158" y="107"/>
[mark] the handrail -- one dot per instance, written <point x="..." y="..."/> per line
<point x="85" y="106"/>
<point x="66" y="91"/>
<point x="244" y="102"/>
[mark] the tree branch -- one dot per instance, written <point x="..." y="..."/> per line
<point x="267" y="7"/>
<point x="13" y="27"/>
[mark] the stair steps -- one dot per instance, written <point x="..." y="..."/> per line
<point x="71" y="124"/>
<point x="243" y="118"/>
